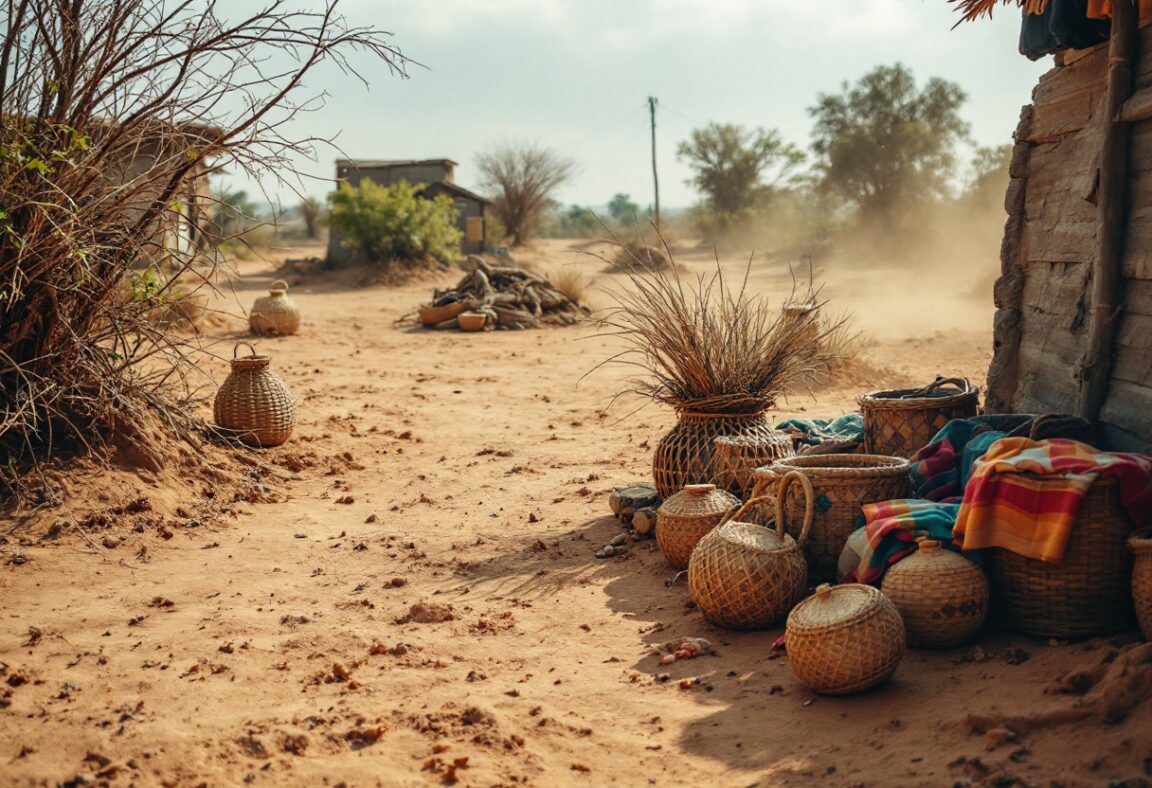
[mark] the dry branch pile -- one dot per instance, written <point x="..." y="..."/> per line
<point x="512" y="298"/>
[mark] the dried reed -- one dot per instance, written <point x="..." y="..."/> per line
<point x="715" y="347"/>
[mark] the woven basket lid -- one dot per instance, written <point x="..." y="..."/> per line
<point x="836" y="607"/>
<point x="931" y="560"/>
<point x="754" y="537"/>
<point x="699" y="500"/>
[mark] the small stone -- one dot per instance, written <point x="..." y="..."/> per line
<point x="607" y="551"/>
<point x="618" y="540"/>
<point x="644" y="521"/>
<point x="998" y="736"/>
<point x="625" y="501"/>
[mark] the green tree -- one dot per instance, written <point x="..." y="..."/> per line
<point x="736" y="168"/>
<point x="884" y="143"/>
<point x="574" y="222"/>
<point x="989" y="174"/>
<point x="311" y="211"/>
<point x="622" y="208"/>
<point x="390" y="224"/>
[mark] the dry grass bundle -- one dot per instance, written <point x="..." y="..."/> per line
<point x="114" y="114"/>
<point x="570" y="283"/>
<point x="717" y="348"/>
<point x="634" y="256"/>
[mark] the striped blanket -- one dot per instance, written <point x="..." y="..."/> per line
<point x="890" y="534"/>
<point x="1024" y="495"/>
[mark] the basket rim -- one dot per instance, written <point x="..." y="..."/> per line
<point x="1141" y="538"/>
<point x="863" y="466"/>
<point x="891" y="399"/>
<point x="789" y="546"/>
<point x="801" y="629"/>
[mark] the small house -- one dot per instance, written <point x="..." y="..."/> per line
<point x="436" y="175"/>
<point x="1073" y="326"/>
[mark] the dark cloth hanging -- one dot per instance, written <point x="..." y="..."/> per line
<point x="1063" y="24"/>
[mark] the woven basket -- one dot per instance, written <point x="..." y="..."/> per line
<point x="942" y="596"/>
<point x="1088" y="593"/>
<point x="735" y="457"/>
<point x="684" y="455"/>
<point x="275" y="314"/>
<point x="253" y="404"/>
<point x="842" y="484"/>
<point x="1141" y="544"/>
<point x="744" y="576"/>
<point x="683" y="519"/>
<point x="900" y="422"/>
<point x="844" y="639"/>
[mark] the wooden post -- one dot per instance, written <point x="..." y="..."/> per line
<point x="1096" y="364"/>
<point x="655" y="177"/>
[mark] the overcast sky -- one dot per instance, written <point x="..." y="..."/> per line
<point x="574" y="75"/>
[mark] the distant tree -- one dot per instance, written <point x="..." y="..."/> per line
<point x="310" y="210"/>
<point x="233" y="213"/>
<point x="522" y="179"/>
<point x="574" y="222"/>
<point x="623" y="209"/>
<point x="989" y="174"/>
<point x="735" y="168"/>
<point x="884" y="143"/>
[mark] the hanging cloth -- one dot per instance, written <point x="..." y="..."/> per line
<point x="1060" y="25"/>
<point x="1102" y="9"/>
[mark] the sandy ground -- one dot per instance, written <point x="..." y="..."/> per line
<point x="412" y="599"/>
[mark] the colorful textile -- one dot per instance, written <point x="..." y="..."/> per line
<point x="813" y="432"/>
<point x="1024" y="495"/>
<point x="1062" y="24"/>
<point x="942" y="468"/>
<point x="1102" y="9"/>
<point x="889" y="534"/>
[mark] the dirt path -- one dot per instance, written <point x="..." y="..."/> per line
<point x="418" y="602"/>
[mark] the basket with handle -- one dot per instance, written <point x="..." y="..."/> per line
<point x="1088" y="593"/>
<point x="254" y="404"/>
<point x="745" y="576"/>
<point x="900" y="422"/>
<point x="842" y="483"/>
<point x="275" y="314"/>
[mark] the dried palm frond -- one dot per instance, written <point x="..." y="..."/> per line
<point x="715" y="347"/>
<point x="971" y="10"/>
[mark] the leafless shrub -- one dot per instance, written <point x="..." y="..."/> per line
<point x="113" y="112"/>
<point x="522" y="177"/>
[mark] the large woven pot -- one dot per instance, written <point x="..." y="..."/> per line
<point x="253" y="404"/>
<point x="900" y="422"/>
<point x="1087" y="594"/>
<point x="684" y="455"/>
<point x="844" y="639"/>
<point x="842" y="484"/>
<point x="683" y="519"/>
<point x="1141" y="544"/>
<point x="735" y="457"/>
<point x="942" y="596"/>
<point x="744" y="576"/>
<point x="275" y="314"/>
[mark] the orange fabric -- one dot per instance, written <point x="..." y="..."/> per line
<point x="1102" y="9"/>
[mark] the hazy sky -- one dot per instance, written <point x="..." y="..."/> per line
<point x="574" y="75"/>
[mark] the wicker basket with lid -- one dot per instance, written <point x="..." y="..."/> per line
<point x="900" y="422"/>
<point x="942" y="596"/>
<point x="275" y="314"/>
<point x="744" y="576"/>
<point x="253" y="404"/>
<point x="736" y="457"/>
<point x="842" y="484"/>
<point x="844" y="639"/>
<point x="1141" y="544"/>
<point x="685" y="517"/>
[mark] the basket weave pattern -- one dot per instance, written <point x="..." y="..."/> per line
<point x="1141" y="544"/>
<point x="683" y="520"/>
<point x="942" y="596"/>
<point x="899" y="425"/>
<point x="254" y="404"/>
<point x="684" y="455"/>
<point x="275" y="314"/>
<point x="844" y="639"/>
<point x="1088" y="593"/>
<point x="842" y="483"/>
<point x="735" y="458"/>
<point x="744" y="576"/>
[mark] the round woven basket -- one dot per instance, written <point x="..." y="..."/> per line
<point x="942" y="596"/>
<point x="275" y="314"/>
<point x="900" y="422"/>
<point x="745" y="576"/>
<point x="1141" y="544"/>
<point x="844" y="639"/>
<point x="684" y="456"/>
<point x="735" y="457"/>
<point x="253" y="404"/>
<point x="683" y="519"/>
<point x="842" y="484"/>
<point x="1088" y="593"/>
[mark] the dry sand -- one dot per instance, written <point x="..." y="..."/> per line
<point x="412" y="599"/>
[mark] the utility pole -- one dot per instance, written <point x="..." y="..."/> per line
<point x="655" y="176"/>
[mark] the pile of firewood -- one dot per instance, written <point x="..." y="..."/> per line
<point x="510" y="297"/>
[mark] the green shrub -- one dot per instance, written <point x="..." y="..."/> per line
<point x="390" y="224"/>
